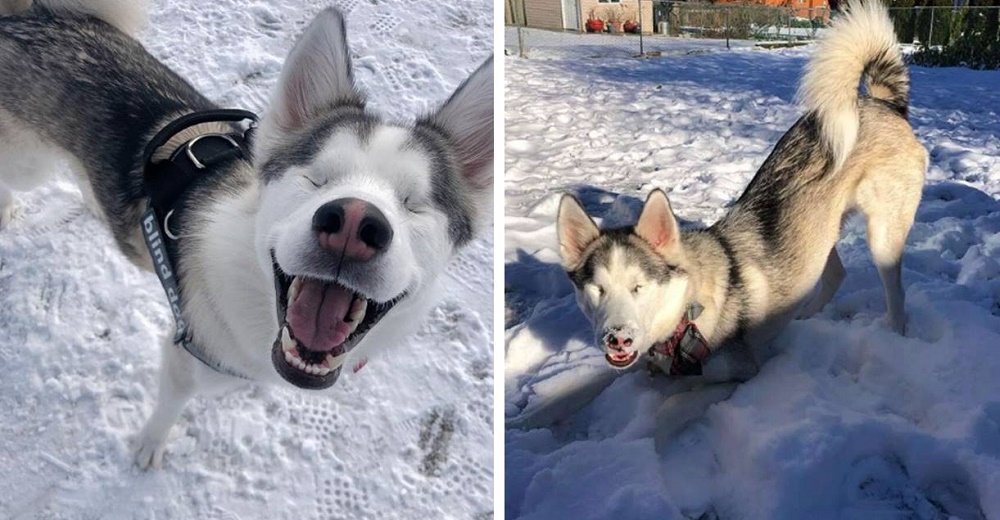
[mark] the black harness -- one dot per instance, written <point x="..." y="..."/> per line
<point x="165" y="182"/>
<point x="685" y="351"/>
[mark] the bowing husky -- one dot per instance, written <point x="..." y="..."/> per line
<point x="294" y="257"/>
<point x="742" y="279"/>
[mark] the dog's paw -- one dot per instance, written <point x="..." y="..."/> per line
<point x="149" y="452"/>
<point x="897" y="323"/>
<point x="6" y="215"/>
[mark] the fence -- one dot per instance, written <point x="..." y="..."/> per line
<point x="740" y="22"/>
<point x="669" y="26"/>
<point x="942" y="25"/>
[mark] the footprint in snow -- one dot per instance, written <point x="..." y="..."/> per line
<point x="881" y="487"/>
<point x="436" y="431"/>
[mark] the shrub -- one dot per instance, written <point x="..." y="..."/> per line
<point x="958" y="37"/>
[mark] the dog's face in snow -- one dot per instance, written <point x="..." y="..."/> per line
<point x="357" y="215"/>
<point x="631" y="283"/>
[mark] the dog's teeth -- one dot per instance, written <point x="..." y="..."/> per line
<point x="357" y="312"/>
<point x="335" y="361"/>
<point x="287" y="343"/>
<point x="318" y="370"/>
<point x="289" y="358"/>
<point x="293" y="289"/>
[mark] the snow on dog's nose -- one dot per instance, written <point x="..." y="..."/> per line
<point x="618" y="338"/>
<point x="616" y="342"/>
<point x="354" y="227"/>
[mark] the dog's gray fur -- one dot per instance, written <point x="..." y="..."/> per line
<point x="758" y="267"/>
<point x="76" y="86"/>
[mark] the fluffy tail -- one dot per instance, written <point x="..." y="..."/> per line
<point x="128" y="16"/>
<point x="861" y="42"/>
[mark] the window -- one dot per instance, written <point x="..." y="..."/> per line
<point x="609" y="1"/>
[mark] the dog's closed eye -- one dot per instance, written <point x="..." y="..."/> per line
<point x="314" y="183"/>
<point x="414" y="205"/>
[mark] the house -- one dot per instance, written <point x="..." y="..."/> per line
<point x="800" y="8"/>
<point x="571" y="15"/>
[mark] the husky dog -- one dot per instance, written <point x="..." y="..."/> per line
<point x="743" y="279"/>
<point x="324" y="246"/>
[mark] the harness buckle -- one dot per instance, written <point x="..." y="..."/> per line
<point x="684" y="352"/>
<point x="189" y="148"/>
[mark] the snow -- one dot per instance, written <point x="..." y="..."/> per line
<point x="848" y="420"/>
<point x="410" y="436"/>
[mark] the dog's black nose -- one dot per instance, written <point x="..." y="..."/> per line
<point x="375" y="230"/>
<point x="352" y="226"/>
<point x="329" y="218"/>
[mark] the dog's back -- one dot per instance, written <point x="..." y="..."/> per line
<point x="128" y="16"/>
<point x="75" y="86"/>
<point x="849" y="151"/>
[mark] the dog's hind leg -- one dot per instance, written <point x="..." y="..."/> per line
<point x="26" y="161"/>
<point x="829" y="282"/>
<point x="886" y="243"/>
<point x="11" y="7"/>
<point x="889" y="198"/>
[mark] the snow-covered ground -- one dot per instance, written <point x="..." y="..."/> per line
<point x="849" y="420"/>
<point x="410" y="436"/>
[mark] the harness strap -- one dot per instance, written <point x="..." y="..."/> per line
<point x="165" y="182"/>
<point x="684" y="352"/>
<point x="195" y="118"/>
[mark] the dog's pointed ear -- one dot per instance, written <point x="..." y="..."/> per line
<point x="576" y="231"/>
<point x="657" y="224"/>
<point x="317" y="76"/>
<point x="466" y="119"/>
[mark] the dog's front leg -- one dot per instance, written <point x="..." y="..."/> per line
<point x="683" y="408"/>
<point x="6" y="206"/>
<point x="178" y="383"/>
<point x="692" y="396"/>
<point x="734" y="362"/>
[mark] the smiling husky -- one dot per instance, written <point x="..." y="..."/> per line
<point x="701" y="296"/>
<point x="294" y="255"/>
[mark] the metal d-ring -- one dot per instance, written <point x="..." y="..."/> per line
<point x="166" y="226"/>
<point x="190" y="153"/>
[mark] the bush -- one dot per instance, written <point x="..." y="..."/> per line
<point x="961" y="54"/>
<point x="958" y="37"/>
<point x="743" y="21"/>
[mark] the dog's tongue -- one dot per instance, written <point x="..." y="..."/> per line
<point x="316" y="317"/>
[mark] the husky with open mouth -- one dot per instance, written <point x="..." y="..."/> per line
<point x="288" y="250"/>
<point x="693" y="301"/>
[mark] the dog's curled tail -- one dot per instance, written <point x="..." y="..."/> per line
<point x="128" y="16"/>
<point x="860" y="43"/>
